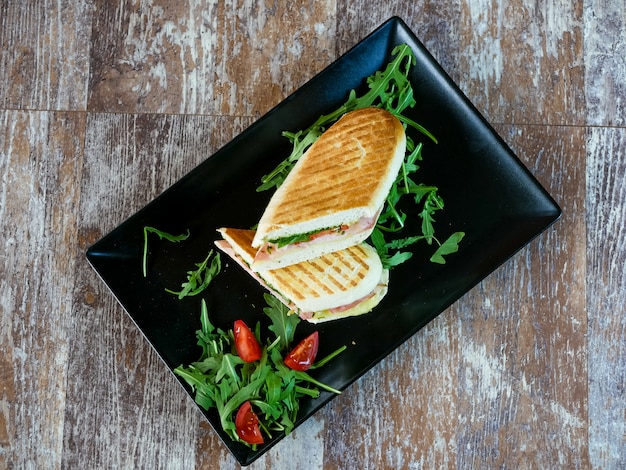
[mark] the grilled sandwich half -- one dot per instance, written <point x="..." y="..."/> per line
<point x="333" y="196"/>
<point x="340" y="284"/>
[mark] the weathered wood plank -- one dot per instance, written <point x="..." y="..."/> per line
<point x="402" y="414"/>
<point x="40" y="166"/>
<point x="434" y="23"/>
<point x="522" y="62"/>
<point x="606" y="296"/>
<point x="523" y="353"/>
<point x="527" y="370"/>
<point x="44" y="58"/>
<point x="605" y="62"/>
<point x="518" y="62"/>
<point x="304" y="448"/>
<point x="218" y="58"/>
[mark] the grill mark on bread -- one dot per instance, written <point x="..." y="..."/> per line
<point x="317" y="198"/>
<point x="287" y="280"/>
<point x="359" y="257"/>
<point x="336" y="276"/>
<point x="314" y="280"/>
<point x="348" y="264"/>
<point x="346" y="174"/>
<point x="353" y="184"/>
<point x="348" y="156"/>
<point x="318" y="284"/>
<point x="302" y="280"/>
<point x="374" y="130"/>
<point x="321" y="266"/>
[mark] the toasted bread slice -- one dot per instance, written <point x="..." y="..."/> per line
<point x="344" y="283"/>
<point x="342" y="178"/>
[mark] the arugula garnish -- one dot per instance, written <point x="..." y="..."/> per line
<point x="221" y="379"/>
<point x="389" y="89"/>
<point x="391" y="260"/>
<point x="284" y="322"/>
<point x="284" y="241"/>
<point x="303" y="237"/>
<point x="451" y="245"/>
<point x="392" y="219"/>
<point x="162" y="235"/>
<point x="199" y="279"/>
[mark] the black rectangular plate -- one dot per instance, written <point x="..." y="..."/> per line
<point x="488" y="193"/>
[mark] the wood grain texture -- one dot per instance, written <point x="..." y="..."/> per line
<point x="105" y="104"/>
<point x="205" y="58"/>
<point x="542" y="351"/>
<point x="605" y="62"/>
<point x="40" y="164"/>
<point x="542" y="82"/>
<point x="606" y="304"/>
<point x="496" y="378"/>
<point x="410" y="388"/>
<point x="547" y="40"/>
<point x="44" y="55"/>
<point x="435" y="23"/>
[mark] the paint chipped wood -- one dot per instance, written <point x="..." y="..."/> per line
<point x="105" y="104"/>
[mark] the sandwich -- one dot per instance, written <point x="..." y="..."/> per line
<point x="334" y="194"/>
<point x="340" y="284"/>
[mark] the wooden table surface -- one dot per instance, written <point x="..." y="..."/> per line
<point x="106" y="103"/>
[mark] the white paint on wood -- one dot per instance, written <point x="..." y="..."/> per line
<point x="36" y="229"/>
<point x="606" y="304"/>
<point x="605" y="62"/>
<point x="528" y="369"/>
<point x="44" y="60"/>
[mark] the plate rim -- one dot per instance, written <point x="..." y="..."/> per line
<point x="390" y="30"/>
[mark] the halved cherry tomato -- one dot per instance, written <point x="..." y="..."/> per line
<point x="246" y="344"/>
<point x="303" y="355"/>
<point x="247" y="425"/>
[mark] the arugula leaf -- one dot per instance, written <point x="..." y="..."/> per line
<point x="307" y="378"/>
<point x="227" y="408"/>
<point x="392" y="219"/>
<point x="389" y="89"/>
<point x="451" y="245"/>
<point x="162" y="235"/>
<point x="284" y="322"/>
<point x="383" y="248"/>
<point x="432" y="204"/>
<point x="221" y="379"/>
<point x="328" y="358"/>
<point x="284" y="241"/>
<point x="199" y="279"/>
<point x="389" y="261"/>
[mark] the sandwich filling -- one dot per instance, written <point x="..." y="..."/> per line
<point x="332" y="197"/>
<point x="338" y="285"/>
<point x="289" y="246"/>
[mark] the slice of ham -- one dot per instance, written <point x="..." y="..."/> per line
<point x="341" y="308"/>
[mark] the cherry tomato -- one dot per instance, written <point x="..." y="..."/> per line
<point x="303" y="355"/>
<point x="247" y="425"/>
<point x="246" y="344"/>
